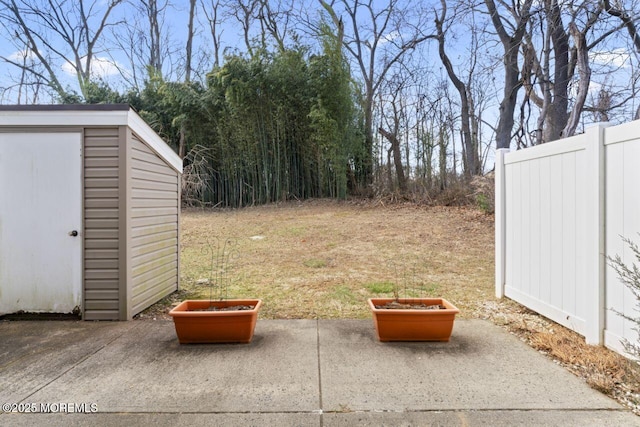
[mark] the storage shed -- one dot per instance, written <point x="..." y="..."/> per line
<point x="89" y="211"/>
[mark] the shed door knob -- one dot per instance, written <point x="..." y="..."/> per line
<point x="73" y="233"/>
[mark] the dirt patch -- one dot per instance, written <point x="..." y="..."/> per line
<point x="230" y="308"/>
<point x="394" y="305"/>
<point x="21" y="315"/>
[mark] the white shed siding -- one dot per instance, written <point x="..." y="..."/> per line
<point x="154" y="226"/>
<point x="130" y="203"/>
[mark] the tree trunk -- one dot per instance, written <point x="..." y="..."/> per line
<point x="367" y="160"/>
<point x="557" y="115"/>
<point x="512" y="82"/>
<point x="155" y="53"/>
<point x="187" y="67"/>
<point x="585" y="77"/>
<point x="212" y="18"/>
<point x="508" y="104"/>
<point x="397" y="158"/>
<point x="442" y="143"/>
<point x="471" y="160"/>
<point x="182" y="143"/>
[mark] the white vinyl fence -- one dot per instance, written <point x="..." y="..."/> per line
<point x="561" y="209"/>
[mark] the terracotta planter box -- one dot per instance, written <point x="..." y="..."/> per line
<point x="413" y="324"/>
<point x="194" y="324"/>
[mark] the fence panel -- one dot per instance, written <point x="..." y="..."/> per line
<point x="561" y="209"/>
<point x="545" y="202"/>
<point x="622" y="187"/>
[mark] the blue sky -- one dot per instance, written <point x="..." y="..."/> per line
<point x="110" y="62"/>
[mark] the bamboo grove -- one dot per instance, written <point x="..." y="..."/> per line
<point x="276" y="126"/>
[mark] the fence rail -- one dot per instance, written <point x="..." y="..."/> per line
<point x="561" y="209"/>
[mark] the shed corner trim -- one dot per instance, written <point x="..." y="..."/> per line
<point x="139" y="126"/>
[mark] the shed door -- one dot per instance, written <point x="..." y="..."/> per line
<point x="40" y="208"/>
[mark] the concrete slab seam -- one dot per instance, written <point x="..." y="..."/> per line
<point x="316" y="412"/>
<point x="73" y="366"/>
<point x="321" y="410"/>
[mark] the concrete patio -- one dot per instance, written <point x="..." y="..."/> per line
<point x="294" y="372"/>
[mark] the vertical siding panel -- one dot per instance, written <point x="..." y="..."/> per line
<point x="509" y="228"/>
<point x="534" y="227"/>
<point x="100" y="273"/>
<point x="178" y="222"/>
<point x="630" y="228"/>
<point x="544" y="223"/>
<point x="579" y="291"/>
<point x="124" y="220"/>
<point x="548" y="229"/>
<point x="525" y="213"/>
<point x="518" y="229"/>
<point x="569" y="231"/>
<point x="614" y="194"/>
<point x="557" y="240"/>
<point x="545" y="230"/>
<point x="514" y="223"/>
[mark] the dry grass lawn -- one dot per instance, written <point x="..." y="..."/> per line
<point x="323" y="259"/>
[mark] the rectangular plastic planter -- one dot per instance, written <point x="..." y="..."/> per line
<point x="194" y="324"/>
<point x="413" y="324"/>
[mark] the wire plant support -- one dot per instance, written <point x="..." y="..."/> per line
<point x="222" y="253"/>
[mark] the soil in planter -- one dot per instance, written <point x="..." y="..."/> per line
<point x="230" y="308"/>
<point x="395" y="305"/>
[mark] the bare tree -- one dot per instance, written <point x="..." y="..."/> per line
<point x="153" y="14"/>
<point x="57" y="32"/>
<point x="628" y="21"/>
<point x="395" y="97"/>
<point x="517" y="22"/>
<point x="128" y="40"/>
<point x="274" y="21"/>
<point x="425" y="144"/>
<point x="27" y="85"/>
<point x="212" y="11"/>
<point x="378" y="38"/>
<point x="557" y="77"/>
<point x="582" y="59"/>
<point x="244" y="12"/>
<point x="145" y="39"/>
<point x="468" y="123"/>
<point x="187" y="67"/>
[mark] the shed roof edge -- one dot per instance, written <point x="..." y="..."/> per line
<point x="89" y="115"/>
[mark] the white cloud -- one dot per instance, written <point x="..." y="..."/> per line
<point x="594" y="88"/>
<point x="615" y="58"/>
<point x="21" y="55"/>
<point x="389" y="37"/>
<point x="100" y="67"/>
